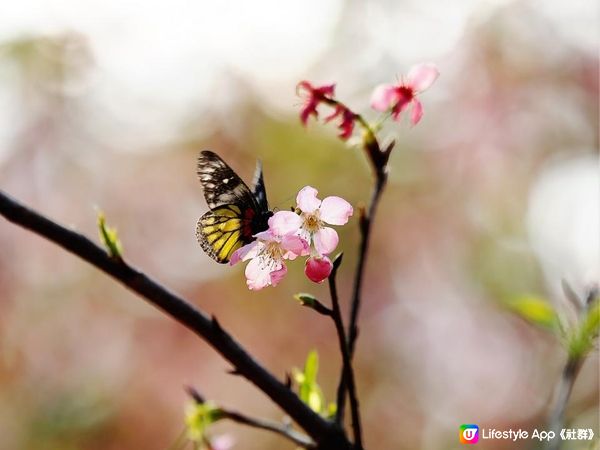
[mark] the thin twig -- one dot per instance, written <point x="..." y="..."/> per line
<point x="366" y="220"/>
<point x="563" y="392"/>
<point x="321" y="430"/>
<point x="347" y="377"/>
<point x="282" y="429"/>
<point x="278" y="428"/>
<point x="570" y="371"/>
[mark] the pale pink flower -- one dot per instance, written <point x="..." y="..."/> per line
<point x="318" y="268"/>
<point x="398" y="97"/>
<point x="267" y="255"/>
<point x="314" y="215"/>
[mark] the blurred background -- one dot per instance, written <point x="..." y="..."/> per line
<point x="494" y="195"/>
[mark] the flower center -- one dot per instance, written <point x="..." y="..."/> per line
<point x="270" y="255"/>
<point x="405" y="94"/>
<point x="312" y="222"/>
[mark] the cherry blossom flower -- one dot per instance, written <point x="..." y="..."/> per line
<point x="267" y="254"/>
<point x="310" y="225"/>
<point x="398" y="97"/>
<point x="318" y="268"/>
<point x="346" y="125"/>
<point x="313" y="96"/>
<point x="314" y="214"/>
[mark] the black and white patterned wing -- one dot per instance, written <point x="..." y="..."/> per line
<point x="258" y="188"/>
<point x="220" y="183"/>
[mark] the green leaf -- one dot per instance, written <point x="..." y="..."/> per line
<point x="309" y="390"/>
<point x="582" y="340"/>
<point x="535" y="310"/>
<point x="331" y="410"/>
<point x="109" y="237"/>
<point x="311" y="367"/>
<point x="315" y="399"/>
<point x="198" y="417"/>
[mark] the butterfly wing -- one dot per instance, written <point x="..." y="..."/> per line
<point x="258" y="188"/>
<point x="221" y="184"/>
<point x="221" y="232"/>
<point x="235" y="214"/>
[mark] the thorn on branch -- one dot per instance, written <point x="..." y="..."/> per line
<point x="216" y="325"/>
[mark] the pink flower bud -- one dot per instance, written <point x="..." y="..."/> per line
<point x="318" y="268"/>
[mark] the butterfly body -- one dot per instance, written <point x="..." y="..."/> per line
<point x="236" y="212"/>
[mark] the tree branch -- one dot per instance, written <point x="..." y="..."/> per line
<point x="347" y="378"/>
<point x="322" y="431"/>
<point x="278" y="428"/>
<point x="366" y="220"/>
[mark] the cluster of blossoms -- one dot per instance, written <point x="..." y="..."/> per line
<point x="291" y="234"/>
<point x="392" y="98"/>
<point x="303" y="232"/>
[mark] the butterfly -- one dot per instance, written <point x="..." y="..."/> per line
<point x="236" y="212"/>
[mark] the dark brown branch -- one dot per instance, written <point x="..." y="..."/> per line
<point x="366" y="221"/>
<point x="347" y="378"/>
<point x="322" y="431"/>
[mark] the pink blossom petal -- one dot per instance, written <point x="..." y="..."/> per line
<point x="383" y="97"/>
<point x="400" y="106"/>
<point x="417" y="112"/>
<point x="318" y="268"/>
<point x="284" y="222"/>
<point x="339" y="109"/>
<point x="310" y="109"/>
<point x="305" y="234"/>
<point x="326" y="240"/>
<point x="278" y="275"/>
<point x="335" y="210"/>
<point x="258" y="275"/>
<point x="266" y="236"/>
<point x="244" y="253"/>
<point x="307" y="200"/>
<point x="422" y="76"/>
<point x="294" y="245"/>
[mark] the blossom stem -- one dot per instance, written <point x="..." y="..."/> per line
<point x="347" y="378"/>
<point x="318" y="428"/>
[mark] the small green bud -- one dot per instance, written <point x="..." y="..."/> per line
<point x="306" y="299"/>
<point x="109" y="237"/>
